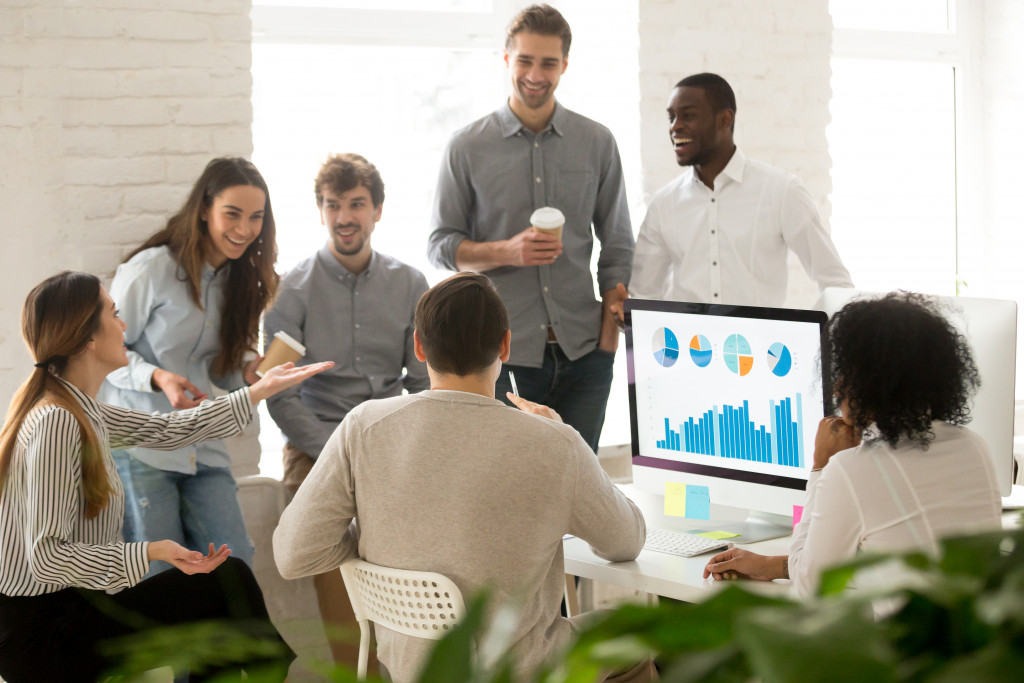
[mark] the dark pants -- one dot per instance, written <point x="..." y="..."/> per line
<point x="576" y="389"/>
<point x="59" y="636"/>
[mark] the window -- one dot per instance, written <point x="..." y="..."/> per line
<point x="894" y="140"/>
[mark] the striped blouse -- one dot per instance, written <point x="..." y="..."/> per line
<point x="46" y="542"/>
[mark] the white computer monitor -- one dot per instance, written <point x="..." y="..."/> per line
<point x="990" y="327"/>
<point x="727" y="397"/>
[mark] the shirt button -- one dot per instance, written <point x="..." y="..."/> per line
<point x="543" y="327"/>
<point x="714" y="263"/>
<point x="360" y="358"/>
<point x="357" y="326"/>
<point x="712" y="200"/>
<point x="712" y="232"/>
<point x="715" y="295"/>
<point x="536" y="144"/>
<point x="538" y="179"/>
<point x="208" y="324"/>
<point x="545" y="289"/>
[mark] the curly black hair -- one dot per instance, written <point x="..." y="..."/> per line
<point x="898" y="362"/>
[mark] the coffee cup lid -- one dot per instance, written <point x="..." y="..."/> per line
<point x="290" y="341"/>
<point x="547" y="217"/>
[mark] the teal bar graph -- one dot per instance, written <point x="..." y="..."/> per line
<point x="728" y="432"/>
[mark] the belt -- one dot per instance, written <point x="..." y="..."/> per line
<point x="552" y="339"/>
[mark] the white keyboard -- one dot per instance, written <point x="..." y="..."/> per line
<point x="681" y="543"/>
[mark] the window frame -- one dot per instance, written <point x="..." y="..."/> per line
<point x="956" y="48"/>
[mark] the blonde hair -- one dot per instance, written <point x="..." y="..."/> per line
<point x="60" y="317"/>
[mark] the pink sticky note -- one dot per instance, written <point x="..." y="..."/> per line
<point x="798" y="512"/>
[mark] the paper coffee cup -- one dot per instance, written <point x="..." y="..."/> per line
<point x="548" y="219"/>
<point x="283" y="349"/>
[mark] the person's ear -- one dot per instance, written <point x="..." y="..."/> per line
<point x="506" y="347"/>
<point x="725" y="119"/>
<point x="417" y="347"/>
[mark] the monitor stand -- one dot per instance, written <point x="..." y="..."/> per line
<point x="758" y="526"/>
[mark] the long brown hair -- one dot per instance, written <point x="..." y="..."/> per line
<point x="252" y="281"/>
<point x="59" y="318"/>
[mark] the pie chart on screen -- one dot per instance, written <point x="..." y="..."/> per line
<point x="736" y="353"/>
<point x="780" y="360"/>
<point x="700" y="351"/>
<point x="665" y="347"/>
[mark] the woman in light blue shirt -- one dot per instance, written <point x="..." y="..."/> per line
<point x="191" y="297"/>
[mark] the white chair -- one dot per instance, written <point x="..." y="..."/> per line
<point x="420" y="604"/>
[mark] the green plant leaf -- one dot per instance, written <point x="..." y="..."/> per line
<point x="826" y="642"/>
<point x="997" y="663"/>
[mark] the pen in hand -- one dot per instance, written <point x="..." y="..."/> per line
<point x="512" y="380"/>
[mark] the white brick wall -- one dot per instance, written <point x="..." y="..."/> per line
<point x="109" y="109"/>
<point x="774" y="54"/>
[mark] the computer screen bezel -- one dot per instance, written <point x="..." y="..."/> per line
<point x="755" y="312"/>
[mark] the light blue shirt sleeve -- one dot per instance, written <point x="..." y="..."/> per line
<point x="133" y="293"/>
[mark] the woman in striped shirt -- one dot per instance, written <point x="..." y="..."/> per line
<point x="68" y="582"/>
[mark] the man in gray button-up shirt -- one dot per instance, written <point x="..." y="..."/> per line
<point x="531" y="153"/>
<point x="355" y="306"/>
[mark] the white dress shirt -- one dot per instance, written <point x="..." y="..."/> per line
<point x="876" y="498"/>
<point x="729" y="244"/>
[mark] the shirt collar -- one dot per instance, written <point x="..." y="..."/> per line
<point x="91" y="406"/>
<point x="510" y="123"/>
<point x="328" y="261"/>
<point x="453" y="396"/>
<point x="733" y="170"/>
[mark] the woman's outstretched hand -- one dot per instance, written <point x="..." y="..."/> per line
<point x="188" y="561"/>
<point x="284" y="376"/>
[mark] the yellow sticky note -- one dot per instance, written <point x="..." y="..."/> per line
<point x="675" y="499"/>
<point x="717" y="535"/>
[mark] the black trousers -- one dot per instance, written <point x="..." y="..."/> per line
<point x="58" y="636"/>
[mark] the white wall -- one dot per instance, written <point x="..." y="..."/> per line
<point x="775" y="56"/>
<point x="108" y="113"/>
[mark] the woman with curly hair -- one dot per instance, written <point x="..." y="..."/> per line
<point x="898" y="470"/>
<point x="191" y="296"/>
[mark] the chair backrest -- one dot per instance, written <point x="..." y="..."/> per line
<point x="413" y="603"/>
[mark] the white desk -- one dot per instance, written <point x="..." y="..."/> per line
<point x="672" y="576"/>
<point x="659" y="573"/>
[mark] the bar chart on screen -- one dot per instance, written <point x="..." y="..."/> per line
<point x="728" y="432"/>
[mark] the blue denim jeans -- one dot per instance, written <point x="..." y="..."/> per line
<point x="191" y="509"/>
<point x="576" y="389"/>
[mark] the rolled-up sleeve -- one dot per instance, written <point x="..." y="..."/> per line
<point x="453" y="205"/>
<point x="611" y="223"/>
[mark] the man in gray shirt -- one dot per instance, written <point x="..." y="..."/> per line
<point x="354" y="306"/>
<point x="453" y="481"/>
<point x="532" y="152"/>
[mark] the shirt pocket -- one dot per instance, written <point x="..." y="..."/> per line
<point x="575" y="194"/>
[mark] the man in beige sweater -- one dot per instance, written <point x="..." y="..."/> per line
<point x="452" y="480"/>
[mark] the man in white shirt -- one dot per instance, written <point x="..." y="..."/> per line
<point x="453" y="481"/>
<point x="720" y="232"/>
